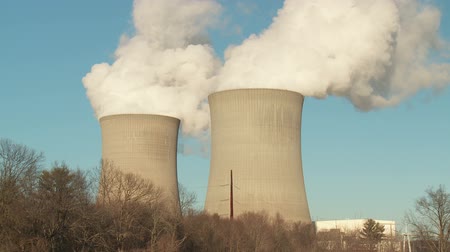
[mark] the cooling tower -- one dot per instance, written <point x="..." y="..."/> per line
<point x="145" y="145"/>
<point x="256" y="134"/>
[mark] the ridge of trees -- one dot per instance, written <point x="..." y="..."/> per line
<point x="61" y="209"/>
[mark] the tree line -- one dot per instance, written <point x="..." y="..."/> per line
<point x="63" y="209"/>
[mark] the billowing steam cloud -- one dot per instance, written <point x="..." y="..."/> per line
<point x="373" y="52"/>
<point x="165" y="68"/>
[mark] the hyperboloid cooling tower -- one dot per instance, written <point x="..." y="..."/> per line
<point x="256" y="134"/>
<point x="145" y="145"/>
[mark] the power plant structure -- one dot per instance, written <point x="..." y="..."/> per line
<point x="256" y="135"/>
<point x="146" y="145"/>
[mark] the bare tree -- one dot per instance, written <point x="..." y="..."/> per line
<point x="206" y="232"/>
<point x="138" y="215"/>
<point x="431" y="219"/>
<point x="257" y="231"/>
<point x="280" y="235"/>
<point x="61" y="199"/>
<point x="19" y="166"/>
<point x="303" y="236"/>
<point x="331" y="240"/>
<point x="187" y="200"/>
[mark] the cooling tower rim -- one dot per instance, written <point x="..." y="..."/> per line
<point x="141" y="115"/>
<point x="254" y="89"/>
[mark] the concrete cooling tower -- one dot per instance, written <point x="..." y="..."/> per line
<point x="145" y="145"/>
<point x="256" y="134"/>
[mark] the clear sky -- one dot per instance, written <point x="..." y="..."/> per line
<point x="356" y="164"/>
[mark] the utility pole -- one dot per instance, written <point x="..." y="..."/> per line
<point x="406" y="238"/>
<point x="231" y="195"/>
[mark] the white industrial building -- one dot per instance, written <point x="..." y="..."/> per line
<point x="348" y="225"/>
<point x="335" y="235"/>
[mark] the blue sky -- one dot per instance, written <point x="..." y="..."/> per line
<point x="356" y="164"/>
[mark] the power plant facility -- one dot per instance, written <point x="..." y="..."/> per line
<point x="256" y="160"/>
<point x="353" y="225"/>
<point x="145" y="145"/>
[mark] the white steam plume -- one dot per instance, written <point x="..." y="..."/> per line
<point x="165" y="68"/>
<point x="375" y="53"/>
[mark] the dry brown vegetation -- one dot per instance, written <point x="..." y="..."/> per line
<point x="60" y="209"/>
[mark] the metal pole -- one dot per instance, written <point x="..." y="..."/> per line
<point x="404" y="243"/>
<point x="231" y="195"/>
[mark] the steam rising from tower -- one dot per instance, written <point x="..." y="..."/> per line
<point x="256" y="133"/>
<point x="375" y="53"/>
<point x="165" y="68"/>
